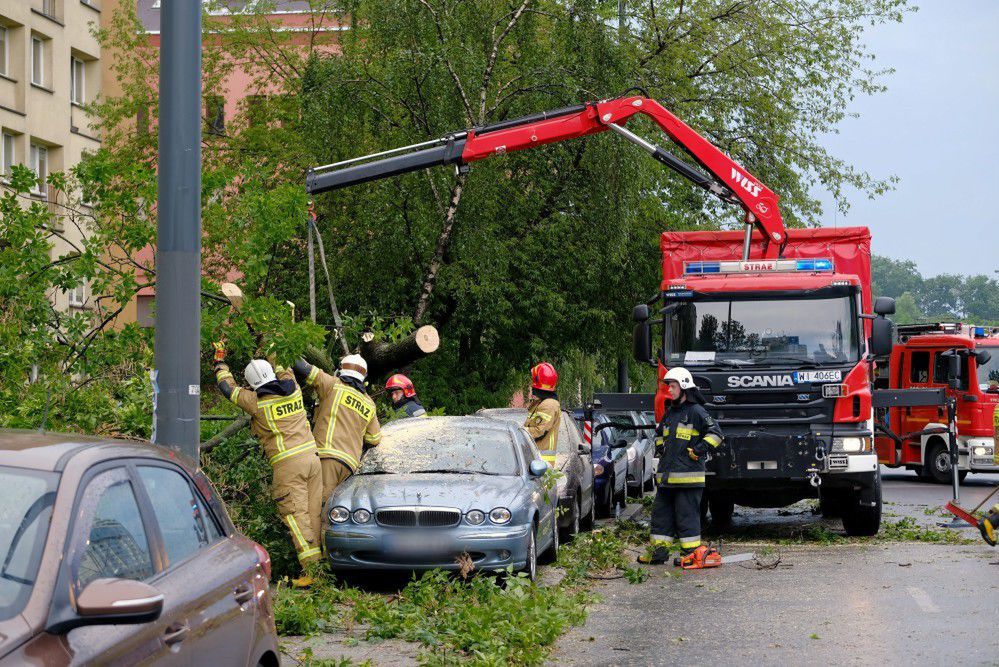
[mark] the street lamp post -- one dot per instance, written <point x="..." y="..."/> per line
<point x="177" y="409"/>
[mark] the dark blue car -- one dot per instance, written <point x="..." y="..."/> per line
<point x="609" y="454"/>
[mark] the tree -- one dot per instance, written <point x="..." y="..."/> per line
<point x="906" y="310"/>
<point x="895" y="277"/>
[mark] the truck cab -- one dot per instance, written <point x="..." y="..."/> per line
<point x="919" y="360"/>
<point x="780" y="351"/>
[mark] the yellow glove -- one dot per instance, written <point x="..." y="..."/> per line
<point x="693" y="456"/>
<point x="219" y="351"/>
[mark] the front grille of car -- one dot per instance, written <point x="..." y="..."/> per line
<point x="427" y="517"/>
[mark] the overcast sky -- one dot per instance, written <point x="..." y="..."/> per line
<point x="937" y="129"/>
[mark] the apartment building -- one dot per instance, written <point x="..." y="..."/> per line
<point x="49" y="69"/>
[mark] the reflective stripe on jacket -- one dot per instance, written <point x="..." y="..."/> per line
<point x="345" y="418"/>
<point x="279" y="422"/>
<point x="543" y="419"/>
<point x="685" y="429"/>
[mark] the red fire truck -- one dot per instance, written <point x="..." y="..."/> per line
<point x="782" y="340"/>
<point x="916" y="437"/>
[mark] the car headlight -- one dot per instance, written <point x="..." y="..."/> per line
<point x="632" y="454"/>
<point x="982" y="451"/>
<point x="598" y="469"/>
<point x="475" y="517"/>
<point x="362" y="516"/>
<point x="852" y="444"/>
<point x="500" y="515"/>
<point x="339" y="514"/>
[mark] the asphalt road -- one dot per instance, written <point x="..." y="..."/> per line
<point x="848" y="602"/>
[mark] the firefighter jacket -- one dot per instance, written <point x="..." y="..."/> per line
<point x="345" y="418"/>
<point x="277" y="418"/>
<point x="412" y="408"/>
<point x="543" y="419"/>
<point x="686" y="431"/>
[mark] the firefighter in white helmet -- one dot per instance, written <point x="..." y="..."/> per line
<point x="345" y="417"/>
<point x="278" y="419"/>
<point x="684" y="437"/>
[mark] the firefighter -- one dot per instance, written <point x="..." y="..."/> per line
<point x="403" y="395"/>
<point x="278" y="419"/>
<point x="345" y="418"/>
<point x="683" y="438"/>
<point x="544" y="411"/>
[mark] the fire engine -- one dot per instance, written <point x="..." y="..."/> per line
<point x="915" y="437"/>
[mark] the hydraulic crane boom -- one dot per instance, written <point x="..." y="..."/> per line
<point x="727" y="179"/>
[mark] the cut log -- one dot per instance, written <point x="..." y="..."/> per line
<point x="383" y="357"/>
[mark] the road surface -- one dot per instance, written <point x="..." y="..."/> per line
<point x="845" y="602"/>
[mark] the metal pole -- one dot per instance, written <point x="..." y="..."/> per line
<point x="178" y="250"/>
<point x="954" y="460"/>
<point x="623" y="382"/>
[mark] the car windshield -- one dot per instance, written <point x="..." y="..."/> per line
<point x="26" y="499"/>
<point x="763" y="332"/>
<point x="988" y="374"/>
<point x="433" y="446"/>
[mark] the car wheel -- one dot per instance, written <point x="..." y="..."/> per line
<point x="551" y="553"/>
<point x="590" y="521"/>
<point x="938" y="460"/>
<point x="531" y="566"/>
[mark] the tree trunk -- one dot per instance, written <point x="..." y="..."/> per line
<point x="384" y="358"/>
<point x="230" y="430"/>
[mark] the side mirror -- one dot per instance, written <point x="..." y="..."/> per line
<point x="640" y="313"/>
<point x="982" y="357"/>
<point x="641" y="342"/>
<point x="953" y="368"/>
<point x="884" y="305"/>
<point x="113" y="602"/>
<point x="538" y="467"/>
<point x="882" y="336"/>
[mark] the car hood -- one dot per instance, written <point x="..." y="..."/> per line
<point x="464" y="492"/>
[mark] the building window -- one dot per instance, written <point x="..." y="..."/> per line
<point x="3" y="50"/>
<point x="78" y="81"/>
<point x="40" y="165"/>
<point x="37" y="61"/>
<point x="49" y="8"/>
<point x="7" y="154"/>
<point x="78" y="295"/>
<point x="215" y="115"/>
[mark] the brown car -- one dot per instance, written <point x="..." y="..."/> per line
<point x="115" y="553"/>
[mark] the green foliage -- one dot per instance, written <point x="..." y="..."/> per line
<point x="908" y="529"/>
<point x="973" y="299"/>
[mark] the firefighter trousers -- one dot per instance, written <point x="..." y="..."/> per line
<point x="334" y="473"/>
<point x="298" y="492"/>
<point x="676" y="517"/>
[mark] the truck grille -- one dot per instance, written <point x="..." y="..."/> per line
<point x="426" y="517"/>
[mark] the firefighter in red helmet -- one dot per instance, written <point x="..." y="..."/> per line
<point x="403" y="395"/>
<point x="544" y="411"/>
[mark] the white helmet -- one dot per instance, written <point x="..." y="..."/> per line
<point x="258" y="373"/>
<point x="354" y="366"/>
<point x="681" y="376"/>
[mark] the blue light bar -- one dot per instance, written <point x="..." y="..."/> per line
<point x="824" y="265"/>
<point x="821" y="265"/>
<point x="703" y="267"/>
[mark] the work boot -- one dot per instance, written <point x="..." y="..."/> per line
<point x="655" y="554"/>
<point x="303" y="582"/>
<point x="988" y="529"/>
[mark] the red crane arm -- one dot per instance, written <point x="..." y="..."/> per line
<point x="728" y="180"/>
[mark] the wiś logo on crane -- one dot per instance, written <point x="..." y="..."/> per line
<point x="746" y="183"/>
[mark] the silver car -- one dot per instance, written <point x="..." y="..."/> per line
<point x="444" y="492"/>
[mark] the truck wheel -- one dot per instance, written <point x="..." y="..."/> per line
<point x="938" y="462"/>
<point x="722" y="507"/>
<point x="860" y="520"/>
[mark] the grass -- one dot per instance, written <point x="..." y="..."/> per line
<point x="484" y="620"/>
<point x="908" y="529"/>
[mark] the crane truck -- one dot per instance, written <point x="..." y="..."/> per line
<point x="773" y="324"/>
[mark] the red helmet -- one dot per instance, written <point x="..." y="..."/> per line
<point x="402" y="382"/>
<point x="543" y="376"/>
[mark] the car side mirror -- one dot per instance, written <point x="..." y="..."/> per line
<point x="884" y="305"/>
<point x="982" y="357"/>
<point x="112" y="602"/>
<point x="538" y="467"/>
<point x="882" y="336"/>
